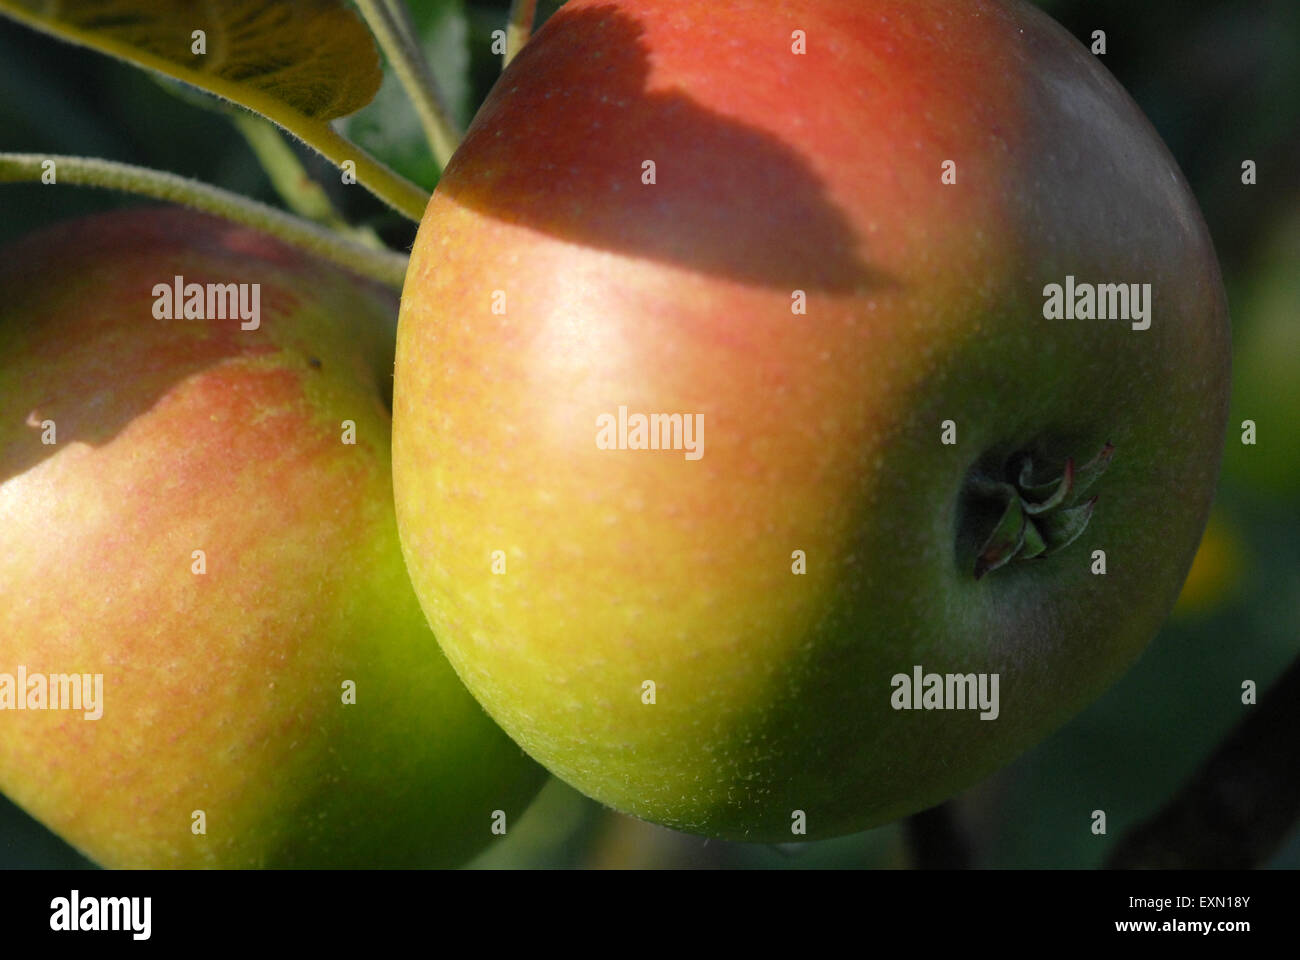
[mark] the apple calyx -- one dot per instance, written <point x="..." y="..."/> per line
<point x="1038" y="519"/>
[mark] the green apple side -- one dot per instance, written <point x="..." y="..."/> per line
<point x="826" y="232"/>
<point x="180" y="512"/>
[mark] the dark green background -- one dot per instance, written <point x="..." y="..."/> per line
<point x="1220" y="81"/>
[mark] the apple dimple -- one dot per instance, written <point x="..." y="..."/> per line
<point x="1005" y="515"/>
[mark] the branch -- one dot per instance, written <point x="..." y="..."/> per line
<point x="1237" y="809"/>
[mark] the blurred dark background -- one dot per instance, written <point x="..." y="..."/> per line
<point x="1219" y="79"/>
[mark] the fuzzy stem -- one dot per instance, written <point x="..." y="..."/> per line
<point x="519" y="27"/>
<point x="391" y="26"/>
<point x="396" y="191"/>
<point x="385" y="266"/>
<point x="300" y="193"/>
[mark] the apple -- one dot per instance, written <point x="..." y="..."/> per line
<point x="776" y="450"/>
<point x="191" y="545"/>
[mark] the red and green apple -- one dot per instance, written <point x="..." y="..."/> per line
<point x="196" y="513"/>
<point x="755" y="359"/>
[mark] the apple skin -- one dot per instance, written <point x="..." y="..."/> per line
<point x="778" y="172"/>
<point x="223" y="692"/>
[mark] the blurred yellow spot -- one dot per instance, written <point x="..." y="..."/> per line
<point x="1215" y="570"/>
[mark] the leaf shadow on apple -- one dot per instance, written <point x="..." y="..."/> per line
<point x="90" y="407"/>
<point x="788" y="234"/>
<point x="215" y="544"/>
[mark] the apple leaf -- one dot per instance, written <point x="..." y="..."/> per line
<point x="300" y="64"/>
<point x="313" y="60"/>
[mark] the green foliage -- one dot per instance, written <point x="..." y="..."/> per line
<point x="388" y="127"/>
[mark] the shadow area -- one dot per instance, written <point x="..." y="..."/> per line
<point x="82" y="355"/>
<point x="561" y="147"/>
